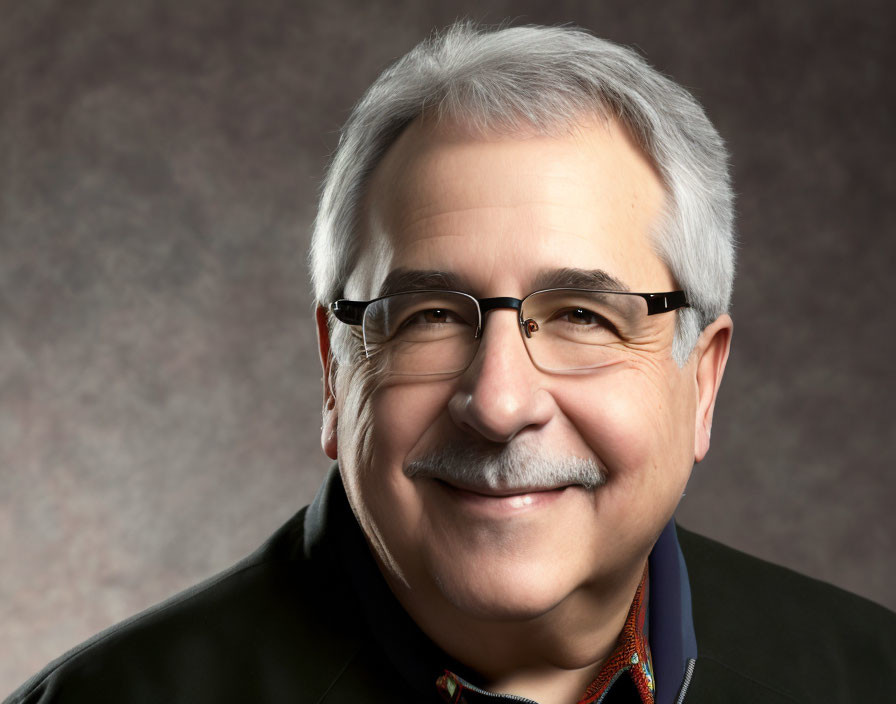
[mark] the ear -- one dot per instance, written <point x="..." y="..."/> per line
<point x="329" y="425"/>
<point x="711" y="355"/>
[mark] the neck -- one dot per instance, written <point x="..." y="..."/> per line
<point x="550" y="658"/>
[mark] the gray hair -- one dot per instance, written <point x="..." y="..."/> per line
<point x="545" y="78"/>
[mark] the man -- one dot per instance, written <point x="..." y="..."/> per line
<point x="523" y="261"/>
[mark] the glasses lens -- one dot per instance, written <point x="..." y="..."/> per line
<point x="573" y="330"/>
<point x="422" y="332"/>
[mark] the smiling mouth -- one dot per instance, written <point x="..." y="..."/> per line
<point x="502" y="493"/>
<point x="502" y="503"/>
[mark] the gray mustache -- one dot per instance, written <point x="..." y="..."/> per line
<point x="510" y="467"/>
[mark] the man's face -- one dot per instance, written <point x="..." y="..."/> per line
<point x="497" y="213"/>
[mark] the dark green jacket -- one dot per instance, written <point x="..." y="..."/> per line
<point x="286" y="625"/>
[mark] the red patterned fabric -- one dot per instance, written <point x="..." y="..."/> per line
<point x="630" y="658"/>
<point x="632" y="653"/>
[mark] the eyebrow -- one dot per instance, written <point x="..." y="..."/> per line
<point x="594" y="279"/>
<point x="400" y="280"/>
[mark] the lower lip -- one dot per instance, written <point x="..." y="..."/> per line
<point x="513" y="503"/>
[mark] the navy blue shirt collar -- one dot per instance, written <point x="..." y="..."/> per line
<point x="672" y="639"/>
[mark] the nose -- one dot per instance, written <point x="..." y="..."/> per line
<point x="501" y="393"/>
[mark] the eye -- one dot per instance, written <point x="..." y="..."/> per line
<point x="433" y="316"/>
<point x="583" y="321"/>
<point x="580" y="316"/>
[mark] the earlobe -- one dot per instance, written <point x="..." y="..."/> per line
<point x="712" y="355"/>
<point x="328" y="437"/>
<point x="328" y="434"/>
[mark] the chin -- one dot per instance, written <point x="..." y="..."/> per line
<point x="503" y="592"/>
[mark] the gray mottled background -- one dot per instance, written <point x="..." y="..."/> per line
<point x="159" y="386"/>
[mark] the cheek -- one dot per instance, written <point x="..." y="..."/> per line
<point x="638" y="422"/>
<point x="635" y="426"/>
<point x="381" y="425"/>
<point x="406" y="419"/>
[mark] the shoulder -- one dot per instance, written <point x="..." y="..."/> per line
<point x="797" y="636"/>
<point x="271" y="622"/>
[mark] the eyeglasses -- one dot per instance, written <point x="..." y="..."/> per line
<point x="565" y="330"/>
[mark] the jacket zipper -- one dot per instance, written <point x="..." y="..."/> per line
<point x="511" y="697"/>
<point x="688" y="673"/>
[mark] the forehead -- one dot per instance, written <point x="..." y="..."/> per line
<point x="497" y="211"/>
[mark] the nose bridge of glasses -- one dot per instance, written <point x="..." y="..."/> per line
<point x="486" y="305"/>
<point x="489" y="304"/>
